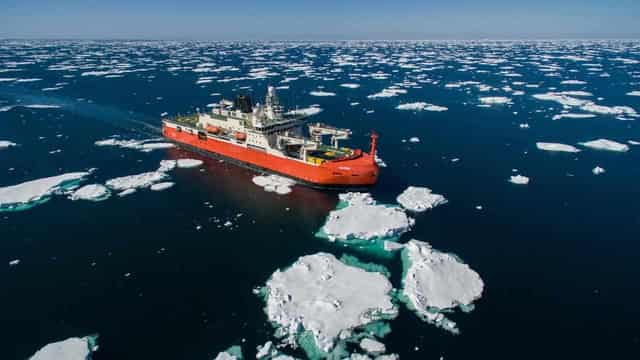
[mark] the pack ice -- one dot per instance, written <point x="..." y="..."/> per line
<point x="358" y="216"/>
<point x="434" y="282"/>
<point x="321" y="297"/>
<point x="70" y="349"/>
<point x="31" y="193"/>
<point x="420" y="199"/>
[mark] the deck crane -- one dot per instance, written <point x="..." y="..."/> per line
<point x="318" y="130"/>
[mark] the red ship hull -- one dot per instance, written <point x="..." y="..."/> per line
<point x="358" y="171"/>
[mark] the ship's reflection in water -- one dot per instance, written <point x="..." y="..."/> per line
<point x="228" y="184"/>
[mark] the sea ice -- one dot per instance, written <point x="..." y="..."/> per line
<point x="604" y="144"/>
<point x="434" y="282"/>
<point x="31" y="193"/>
<point x="322" y="93"/>
<point x="310" y="111"/>
<point x="274" y="183"/>
<point x="556" y="147"/>
<point x="189" y="163"/>
<point x="145" y="145"/>
<point x="372" y="346"/>
<point x="137" y="181"/>
<point x="420" y="199"/>
<point x="319" y="300"/>
<point x="597" y="170"/>
<point x="495" y="100"/>
<point x="350" y="86"/>
<point x="70" y="349"/>
<point x="634" y="93"/>
<point x="414" y="139"/>
<point x="92" y="192"/>
<point x="519" y="180"/>
<point x="573" y="116"/>
<point x="420" y="106"/>
<point x="359" y="217"/>
<point x="5" y="144"/>
<point x="162" y="186"/>
<point x="232" y="353"/>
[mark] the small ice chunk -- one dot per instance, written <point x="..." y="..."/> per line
<point x="634" y="93"/>
<point x="597" y="170"/>
<point x="5" y="144"/>
<point x="519" y="180"/>
<point x="310" y="111"/>
<point x="14" y="262"/>
<point x="70" y="349"/>
<point x="189" y="163"/>
<point x="421" y="106"/>
<point x="126" y="192"/>
<point x="379" y="161"/>
<point x="137" y="181"/>
<point x="92" y="192"/>
<point x="495" y="100"/>
<point x="324" y="297"/>
<point x="414" y="139"/>
<point x="322" y="93"/>
<point x="573" y="116"/>
<point x="556" y="147"/>
<point x="435" y="281"/>
<point x="274" y="183"/>
<point x="162" y="186"/>
<point x="372" y="347"/>
<point x="350" y="86"/>
<point x="232" y="353"/>
<point x="420" y="199"/>
<point x="604" y="144"/>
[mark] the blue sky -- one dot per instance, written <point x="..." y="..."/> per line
<point x="321" y="19"/>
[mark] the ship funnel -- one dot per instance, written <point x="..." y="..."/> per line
<point x="243" y="103"/>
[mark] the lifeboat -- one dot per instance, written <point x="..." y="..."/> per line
<point x="213" y="129"/>
<point x="241" y="136"/>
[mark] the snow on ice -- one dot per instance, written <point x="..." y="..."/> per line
<point x="519" y="180"/>
<point x="420" y="199"/>
<point x="70" y="349"/>
<point x="31" y="193"/>
<point x="604" y="144"/>
<point x="557" y="147"/>
<point x="92" y="192"/>
<point x="274" y="183"/>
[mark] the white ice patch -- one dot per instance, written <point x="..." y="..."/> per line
<point x="137" y="181"/>
<point x="573" y="116"/>
<point x="421" y="106"/>
<point x="361" y="218"/>
<point x="557" y="147"/>
<point x="495" y="100"/>
<point x="372" y="347"/>
<point x="22" y="196"/>
<point x="519" y="180"/>
<point x="597" y="170"/>
<point x="634" y="93"/>
<point x="189" y="163"/>
<point x="325" y="297"/>
<point x="5" y="144"/>
<point x="350" y="86"/>
<point x="162" y="186"/>
<point x="435" y="281"/>
<point x="70" y="349"/>
<point x="388" y="92"/>
<point x="92" y="192"/>
<point x="604" y="144"/>
<point x="274" y="183"/>
<point x="420" y="199"/>
<point x="322" y="93"/>
<point x="310" y="111"/>
<point x="145" y="145"/>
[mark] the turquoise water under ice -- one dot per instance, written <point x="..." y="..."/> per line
<point x="558" y="256"/>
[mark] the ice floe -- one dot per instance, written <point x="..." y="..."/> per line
<point x="322" y="93"/>
<point x="420" y="199"/>
<point x="557" y="147"/>
<point x="319" y="300"/>
<point x="495" y="100"/>
<point x="137" y="181"/>
<point x="274" y="183"/>
<point x="388" y="92"/>
<point x="70" y="349"/>
<point x="350" y="86"/>
<point x="434" y="282"/>
<point x="310" y="111"/>
<point x="145" y="145"/>
<point x="634" y="93"/>
<point x="5" y="144"/>
<point x="31" y="193"/>
<point x="188" y="163"/>
<point x="372" y="347"/>
<point x="232" y="353"/>
<point x="420" y="106"/>
<point x="162" y="186"/>
<point x="519" y="180"/>
<point x="604" y="144"/>
<point x="597" y="170"/>
<point x="359" y="217"/>
<point x="573" y="116"/>
<point x="92" y="192"/>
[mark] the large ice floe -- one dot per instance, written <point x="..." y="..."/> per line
<point x="145" y="145"/>
<point x="556" y="147"/>
<point x="567" y="101"/>
<point x="70" y="349"/>
<point x="421" y="106"/>
<point x="274" y="183"/>
<point x="31" y="193"/>
<point x="359" y="218"/>
<point x="435" y="282"/>
<point x="420" y="199"/>
<point x="91" y="192"/>
<point x="495" y="100"/>
<point x="319" y="303"/>
<point x="232" y="353"/>
<point x="604" y="144"/>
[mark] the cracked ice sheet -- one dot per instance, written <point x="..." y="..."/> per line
<point x="31" y="193"/>
<point x="321" y="296"/>
<point x="359" y="217"/>
<point x="434" y="281"/>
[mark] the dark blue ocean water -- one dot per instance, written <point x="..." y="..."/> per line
<point x="559" y="256"/>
